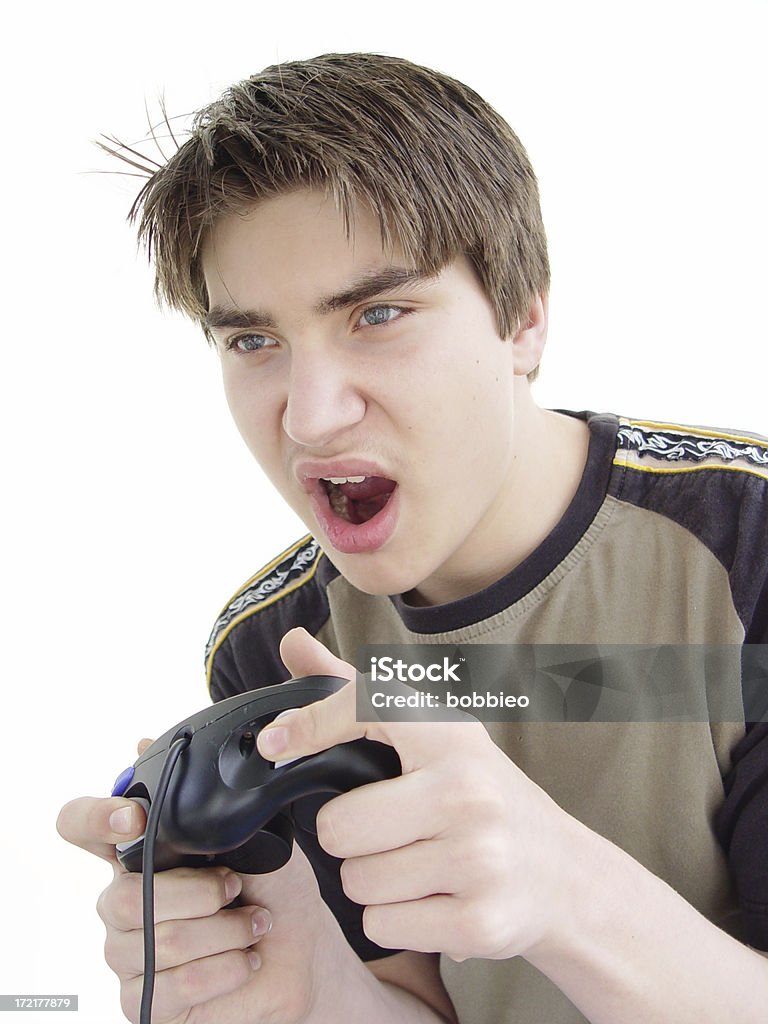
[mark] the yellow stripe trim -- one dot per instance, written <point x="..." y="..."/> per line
<point x="264" y="570"/>
<point x="697" y="431"/>
<point x="691" y="469"/>
<point x="257" y="608"/>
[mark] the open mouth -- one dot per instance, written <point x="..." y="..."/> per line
<point x="357" y="499"/>
<point x="357" y="512"/>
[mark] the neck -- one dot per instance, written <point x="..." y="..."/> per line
<point x="550" y="452"/>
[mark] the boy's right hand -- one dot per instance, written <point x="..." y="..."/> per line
<point x="256" y="962"/>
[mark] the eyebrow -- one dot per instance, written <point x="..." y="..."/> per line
<point x="365" y="287"/>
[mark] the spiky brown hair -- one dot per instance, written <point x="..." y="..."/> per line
<point x="442" y="170"/>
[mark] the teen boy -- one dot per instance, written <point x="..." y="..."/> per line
<point x="360" y="238"/>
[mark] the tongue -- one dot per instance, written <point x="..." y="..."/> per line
<point x="366" y="499"/>
<point x="371" y="487"/>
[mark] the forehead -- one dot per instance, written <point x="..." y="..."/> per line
<point x="298" y="240"/>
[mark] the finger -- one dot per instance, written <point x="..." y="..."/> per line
<point x="310" y="733"/>
<point x="429" y="925"/>
<point x="325" y="723"/>
<point x="191" y="984"/>
<point x="96" y="824"/>
<point x="383" y="816"/>
<point x="180" y="894"/>
<point x="410" y="873"/>
<point x="142" y="745"/>
<point x="180" y="942"/>
<point x="302" y="655"/>
<point x="420" y="804"/>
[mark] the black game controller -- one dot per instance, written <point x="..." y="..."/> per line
<point x="225" y="804"/>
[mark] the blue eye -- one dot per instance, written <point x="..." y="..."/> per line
<point x="249" y="343"/>
<point x="376" y="315"/>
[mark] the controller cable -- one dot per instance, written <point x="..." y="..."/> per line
<point x="148" y="873"/>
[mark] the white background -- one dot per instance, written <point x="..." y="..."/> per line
<point x="131" y="508"/>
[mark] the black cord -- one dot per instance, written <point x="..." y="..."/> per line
<point x="148" y="875"/>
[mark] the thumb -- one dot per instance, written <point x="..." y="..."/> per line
<point x="302" y="655"/>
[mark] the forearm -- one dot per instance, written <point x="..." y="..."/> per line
<point x="349" y="990"/>
<point x="358" y="995"/>
<point x="634" y="951"/>
<point x="408" y="1008"/>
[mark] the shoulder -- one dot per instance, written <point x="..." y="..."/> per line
<point x="714" y="483"/>
<point x="242" y="650"/>
<point x="659" y="448"/>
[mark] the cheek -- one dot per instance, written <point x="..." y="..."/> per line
<point x="256" y="416"/>
<point x="484" y="441"/>
<point x="475" y="405"/>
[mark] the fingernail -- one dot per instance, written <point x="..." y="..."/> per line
<point x="261" y="922"/>
<point x="253" y="958"/>
<point x="120" y="821"/>
<point x="232" y="886"/>
<point x="273" y="741"/>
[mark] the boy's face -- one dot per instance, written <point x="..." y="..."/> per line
<point x="338" y="361"/>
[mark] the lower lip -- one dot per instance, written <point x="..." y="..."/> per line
<point x="355" y="538"/>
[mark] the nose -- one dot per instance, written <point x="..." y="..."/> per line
<point x="322" y="401"/>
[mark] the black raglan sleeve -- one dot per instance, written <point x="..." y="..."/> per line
<point x="742" y="829"/>
<point x="742" y="821"/>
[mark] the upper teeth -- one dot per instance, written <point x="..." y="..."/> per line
<point x="344" y="479"/>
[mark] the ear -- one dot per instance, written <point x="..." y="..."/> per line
<point x="528" y="343"/>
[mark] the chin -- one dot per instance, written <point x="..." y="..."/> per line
<point x="372" y="578"/>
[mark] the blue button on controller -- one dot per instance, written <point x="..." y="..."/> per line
<point x="123" y="781"/>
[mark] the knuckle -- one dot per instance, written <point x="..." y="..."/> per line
<point x="481" y="929"/>
<point x="100" y="905"/>
<point x="110" y="951"/>
<point x="491" y="803"/>
<point x="169" y="944"/>
<point x="190" y="983"/>
<point x="195" y="980"/>
<point x="465" y="788"/>
<point x="482" y="855"/>
<point x="129" y="1002"/>
<point x="454" y="794"/>
<point x="472" y="799"/>
<point x="119" y="904"/>
<point x="308" y="724"/>
<point x="491" y="793"/>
